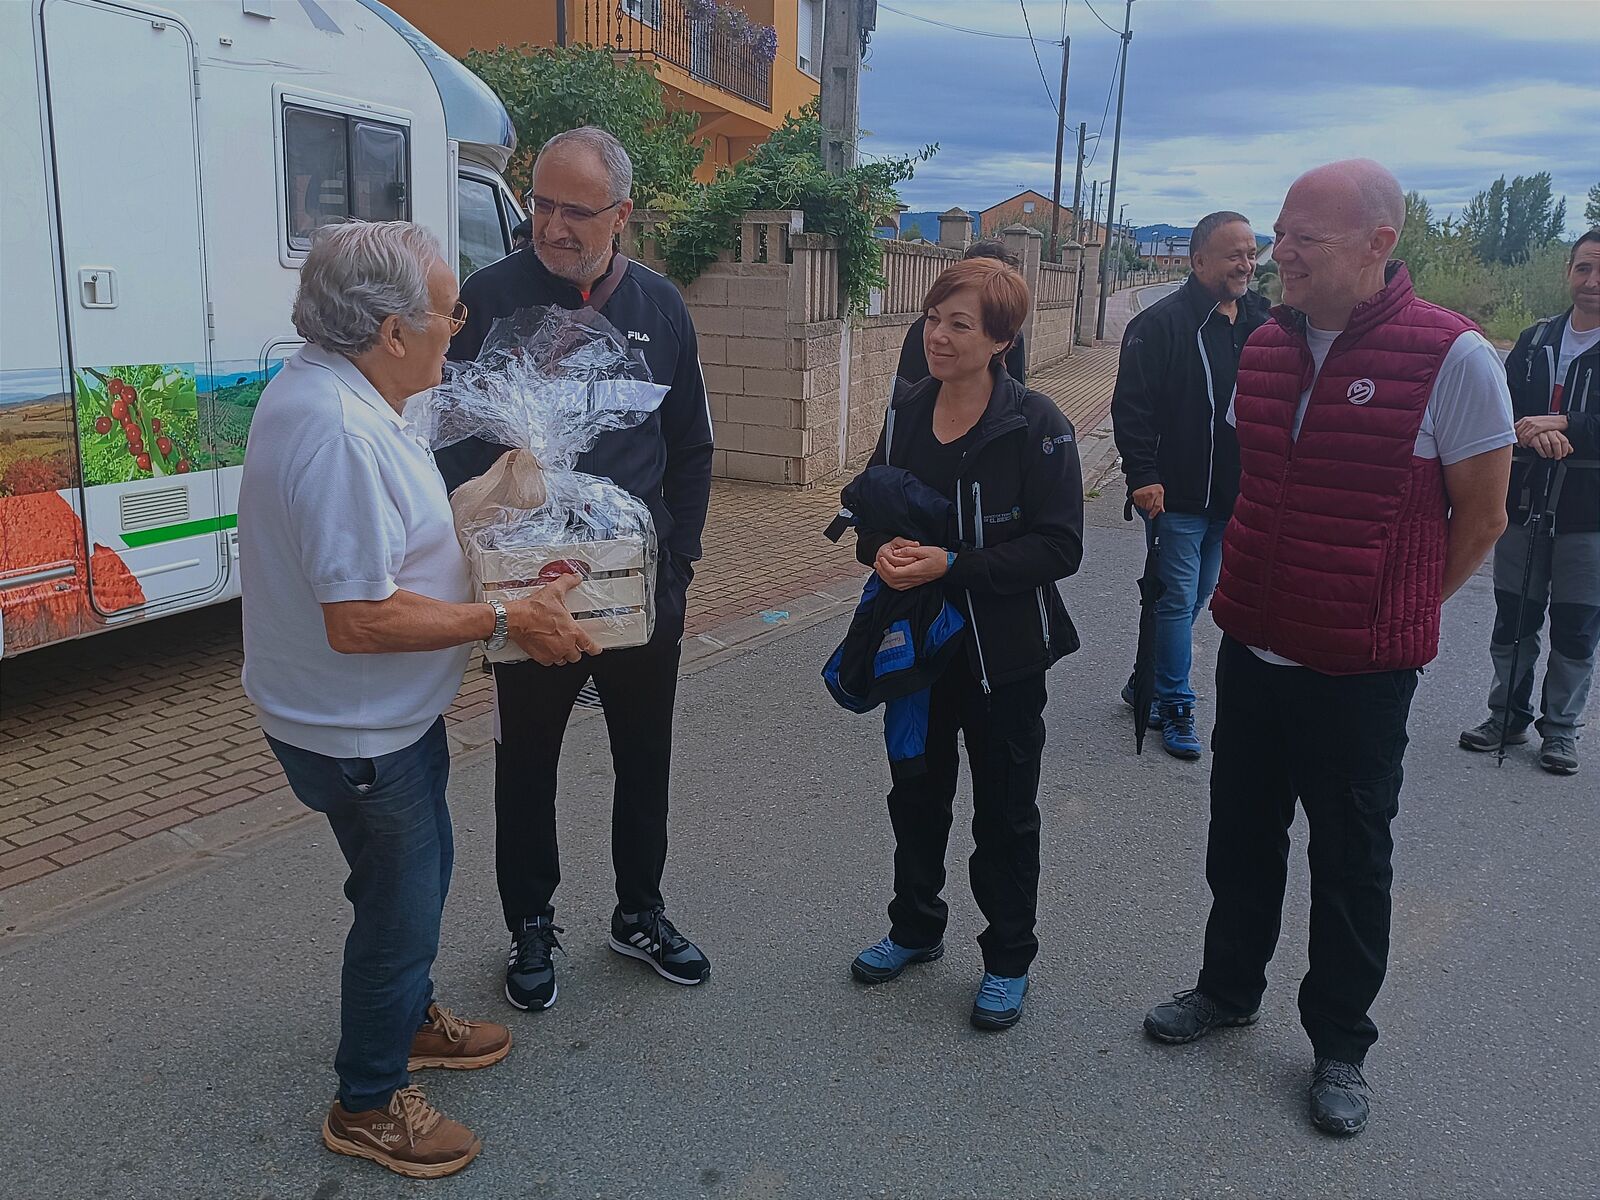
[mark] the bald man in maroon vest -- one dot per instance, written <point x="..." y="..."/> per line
<point x="1375" y="439"/>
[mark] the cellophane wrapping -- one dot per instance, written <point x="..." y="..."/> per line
<point x="548" y="383"/>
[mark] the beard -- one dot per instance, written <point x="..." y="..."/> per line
<point x="573" y="265"/>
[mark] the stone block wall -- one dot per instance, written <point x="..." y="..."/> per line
<point x="789" y="403"/>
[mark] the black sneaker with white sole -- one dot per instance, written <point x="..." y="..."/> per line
<point x="530" y="973"/>
<point x="652" y="938"/>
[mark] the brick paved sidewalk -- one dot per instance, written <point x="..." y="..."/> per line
<point x="115" y="738"/>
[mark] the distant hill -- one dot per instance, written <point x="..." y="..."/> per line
<point x="1161" y="233"/>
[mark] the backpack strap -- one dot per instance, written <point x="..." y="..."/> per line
<point x="607" y="284"/>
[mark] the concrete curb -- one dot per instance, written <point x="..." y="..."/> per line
<point x="39" y="907"/>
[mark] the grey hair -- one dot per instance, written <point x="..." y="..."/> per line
<point x="357" y="274"/>
<point x="992" y="248"/>
<point x="605" y="147"/>
<point x="1209" y="224"/>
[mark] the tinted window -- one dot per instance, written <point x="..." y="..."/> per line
<point x="482" y="237"/>
<point x="337" y="167"/>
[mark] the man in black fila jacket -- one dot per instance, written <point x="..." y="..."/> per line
<point x="1181" y="457"/>
<point x="580" y="201"/>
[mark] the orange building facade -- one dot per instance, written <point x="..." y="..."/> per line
<point x="1033" y="209"/>
<point x="710" y="55"/>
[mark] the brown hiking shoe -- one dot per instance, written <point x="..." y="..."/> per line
<point x="448" y="1041"/>
<point x="410" y="1137"/>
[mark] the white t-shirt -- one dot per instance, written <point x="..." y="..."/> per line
<point x="1572" y="345"/>
<point x="1468" y="413"/>
<point x="340" y="500"/>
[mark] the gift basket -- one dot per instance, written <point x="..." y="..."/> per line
<point x="548" y="383"/>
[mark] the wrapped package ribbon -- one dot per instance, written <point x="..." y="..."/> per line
<point x="548" y="383"/>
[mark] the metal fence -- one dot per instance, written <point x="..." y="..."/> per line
<point x="696" y="37"/>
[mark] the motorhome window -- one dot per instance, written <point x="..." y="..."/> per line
<point x="484" y="238"/>
<point x="337" y="167"/>
<point x="316" y="171"/>
<point x="378" y="153"/>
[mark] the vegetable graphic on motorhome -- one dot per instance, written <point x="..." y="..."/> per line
<point x="137" y="422"/>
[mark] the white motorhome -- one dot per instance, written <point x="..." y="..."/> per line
<point x="162" y="167"/>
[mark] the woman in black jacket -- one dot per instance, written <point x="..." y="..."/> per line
<point x="1009" y="460"/>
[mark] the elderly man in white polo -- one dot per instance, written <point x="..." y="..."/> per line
<point x="357" y="624"/>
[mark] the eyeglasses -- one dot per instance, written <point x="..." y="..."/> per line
<point x="457" y="317"/>
<point x="572" y="214"/>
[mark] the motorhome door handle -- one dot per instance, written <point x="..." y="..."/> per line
<point x="98" y="287"/>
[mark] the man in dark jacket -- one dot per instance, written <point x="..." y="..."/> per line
<point x="581" y="185"/>
<point x="1180" y="455"/>
<point x="1554" y="376"/>
<point x="913" y="366"/>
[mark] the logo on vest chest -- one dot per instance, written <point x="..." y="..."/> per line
<point x="1360" y="391"/>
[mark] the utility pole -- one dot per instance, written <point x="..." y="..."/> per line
<point x="1077" y="188"/>
<point x="843" y="30"/>
<point x="1116" y="152"/>
<point x="1094" y="210"/>
<point x="1122" y="226"/>
<point x="1061" y="136"/>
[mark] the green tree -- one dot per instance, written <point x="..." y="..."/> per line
<point x="914" y="234"/>
<point x="1508" y="222"/>
<point x="1591" y="209"/>
<point x="786" y="171"/>
<point x="550" y="90"/>
<point x="1419" y="239"/>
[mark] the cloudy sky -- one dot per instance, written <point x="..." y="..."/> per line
<point x="1228" y="100"/>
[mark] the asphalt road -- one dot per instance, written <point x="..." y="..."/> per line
<point x="179" y="1044"/>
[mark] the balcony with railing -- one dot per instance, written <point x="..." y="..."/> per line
<point x="712" y="41"/>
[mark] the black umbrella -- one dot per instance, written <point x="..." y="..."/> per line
<point x="1144" y="660"/>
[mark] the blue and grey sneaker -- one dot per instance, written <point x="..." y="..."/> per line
<point x="885" y="960"/>
<point x="1178" y="736"/>
<point x="999" y="1002"/>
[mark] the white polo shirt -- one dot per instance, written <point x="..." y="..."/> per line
<point x="340" y="500"/>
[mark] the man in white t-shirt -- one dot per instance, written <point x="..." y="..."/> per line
<point x="357" y="624"/>
<point x="1374" y="444"/>
<point x="1554" y="374"/>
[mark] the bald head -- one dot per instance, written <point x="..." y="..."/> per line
<point x="1359" y="190"/>
<point x="1333" y="238"/>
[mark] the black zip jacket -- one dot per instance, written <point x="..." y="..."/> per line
<point x="1019" y="525"/>
<point x="1169" y="411"/>
<point x="913" y="366"/>
<point x="666" y="461"/>
<point x="1530" y="375"/>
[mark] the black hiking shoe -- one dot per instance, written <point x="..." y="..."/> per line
<point x="1189" y="1016"/>
<point x="653" y="939"/>
<point x="530" y="974"/>
<point x="1341" y="1098"/>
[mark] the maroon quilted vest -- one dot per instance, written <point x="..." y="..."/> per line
<point x="1335" y="554"/>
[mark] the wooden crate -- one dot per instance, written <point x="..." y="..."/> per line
<point x="617" y="584"/>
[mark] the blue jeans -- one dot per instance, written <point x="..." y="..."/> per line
<point x="389" y="817"/>
<point x="1191" y="559"/>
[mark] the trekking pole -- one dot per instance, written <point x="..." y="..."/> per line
<point x="1541" y="522"/>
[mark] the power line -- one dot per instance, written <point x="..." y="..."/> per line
<point x="1115" y="72"/>
<point x="1028" y="25"/>
<point x="1005" y="37"/>
<point x="1097" y="17"/>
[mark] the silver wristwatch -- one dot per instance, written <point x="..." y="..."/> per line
<point x="497" y="640"/>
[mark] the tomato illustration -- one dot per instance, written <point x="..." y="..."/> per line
<point x="102" y="424"/>
<point x="143" y="460"/>
<point x="116" y="384"/>
<point x="119" y="407"/>
<point x="155" y="424"/>
<point x="164" y="444"/>
<point x="183" y="466"/>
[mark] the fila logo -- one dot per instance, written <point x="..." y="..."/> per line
<point x="1360" y="391"/>
<point x="635" y="336"/>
